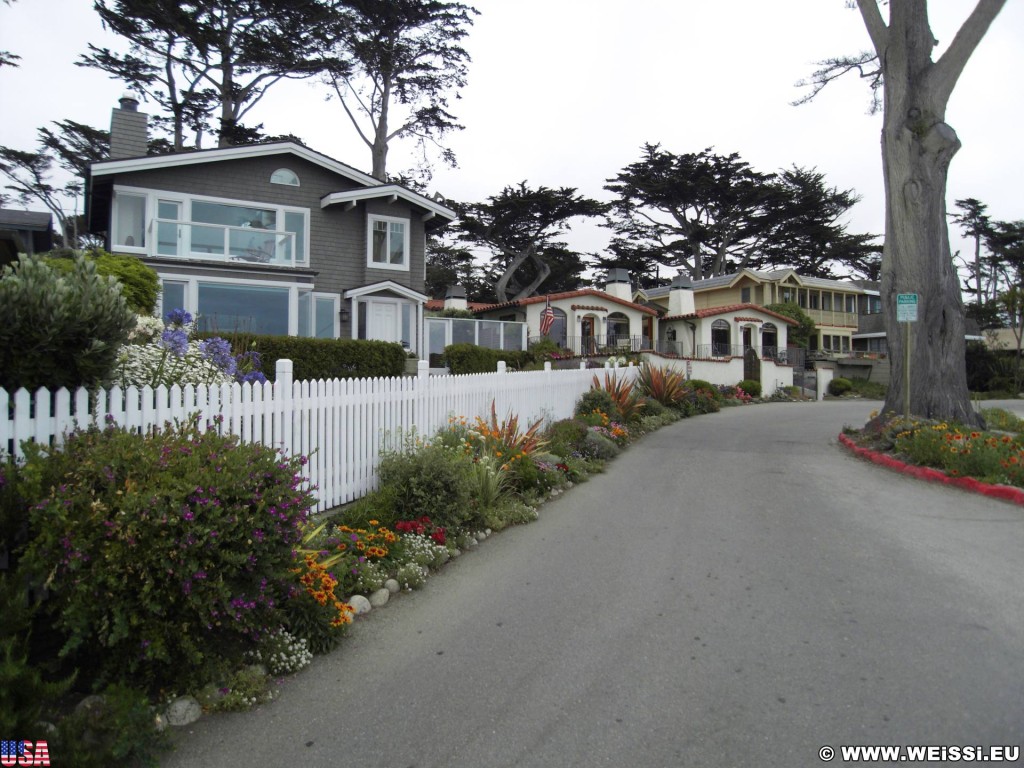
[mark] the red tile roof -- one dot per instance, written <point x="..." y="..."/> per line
<point x="713" y="311"/>
<point x="572" y="295"/>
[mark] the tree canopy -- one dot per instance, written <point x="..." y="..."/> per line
<point x="709" y="214"/>
<point x="69" y="147"/>
<point x="396" y="67"/>
<point x="206" y="63"/>
<point x="520" y="226"/>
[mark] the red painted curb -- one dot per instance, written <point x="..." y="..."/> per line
<point x="1004" y="492"/>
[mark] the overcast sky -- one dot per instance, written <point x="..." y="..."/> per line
<point x="565" y="92"/>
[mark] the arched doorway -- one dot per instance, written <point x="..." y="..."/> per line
<point x="588" y="344"/>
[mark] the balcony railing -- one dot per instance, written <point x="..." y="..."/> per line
<point x="602" y="345"/>
<point x="718" y="351"/>
<point x="191" y="240"/>
<point x="832" y="317"/>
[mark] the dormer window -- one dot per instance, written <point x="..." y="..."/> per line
<point x="284" y="176"/>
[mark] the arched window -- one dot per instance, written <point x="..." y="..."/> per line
<point x="559" y="328"/>
<point x="721" y="339"/>
<point x="618" y="329"/>
<point x="769" y="341"/>
<point x="284" y="176"/>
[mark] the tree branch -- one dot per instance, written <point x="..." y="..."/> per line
<point x="951" y="64"/>
<point x="876" y="26"/>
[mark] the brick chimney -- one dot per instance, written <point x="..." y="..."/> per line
<point x="129" y="135"/>
<point x="455" y="298"/>
<point x="680" y="297"/>
<point x="617" y="284"/>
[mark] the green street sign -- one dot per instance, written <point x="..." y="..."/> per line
<point x="906" y="307"/>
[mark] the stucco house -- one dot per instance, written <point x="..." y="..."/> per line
<point x="268" y="238"/>
<point x="587" y="321"/>
<point x="719" y="332"/>
<point x="832" y="304"/>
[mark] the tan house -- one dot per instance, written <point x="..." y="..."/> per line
<point x="831" y="304"/>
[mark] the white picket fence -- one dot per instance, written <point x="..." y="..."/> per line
<point x="341" y="425"/>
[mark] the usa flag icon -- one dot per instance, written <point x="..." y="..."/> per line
<point x="12" y="748"/>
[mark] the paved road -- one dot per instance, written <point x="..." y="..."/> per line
<point x="736" y="590"/>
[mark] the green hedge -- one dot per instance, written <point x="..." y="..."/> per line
<point x="469" y="358"/>
<point x="140" y="284"/>
<point x="322" y="358"/>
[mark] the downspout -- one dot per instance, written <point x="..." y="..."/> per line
<point x="693" y="335"/>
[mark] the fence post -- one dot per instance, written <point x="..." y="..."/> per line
<point x="583" y="365"/>
<point x="547" y="365"/>
<point x="283" y="406"/>
<point x="501" y="366"/>
<point x="421" y="420"/>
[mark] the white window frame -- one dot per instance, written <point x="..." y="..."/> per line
<point x="192" y="294"/>
<point x="371" y="220"/>
<point x="115" y="220"/>
<point x="278" y="177"/>
<point x="152" y="195"/>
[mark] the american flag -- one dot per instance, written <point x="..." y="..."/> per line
<point x="12" y="748"/>
<point x="547" y="318"/>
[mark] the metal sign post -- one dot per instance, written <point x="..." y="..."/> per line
<point x="906" y="312"/>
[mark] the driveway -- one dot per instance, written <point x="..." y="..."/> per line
<point x="736" y="590"/>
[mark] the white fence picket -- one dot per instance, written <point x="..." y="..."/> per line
<point x="341" y="425"/>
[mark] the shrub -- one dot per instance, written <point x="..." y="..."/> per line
<point x="751" y="387"/>
<point x="26" y="698"/>
<point x="433" y="481"/>
<point x="839" y="386"/>
<point x="140" y="285"/>
<point x="469" y="358"/>
<point x="165" y="555"/>
<point x="595" y="400"/>
<point x="701" y="397"/>
<point x="59" y="330"/>
<point x="653" y="407"/>
<point x="566" y="437"/>
<point x="597" y="446"/>
<point x="799" y="335"/>
<point x="117" y="727"/>
<point x="866" y="388"/>
<point x="322" y="358"/>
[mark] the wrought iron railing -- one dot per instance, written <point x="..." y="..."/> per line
<point x="600" y="345"/>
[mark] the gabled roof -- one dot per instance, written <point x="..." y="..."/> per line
<point x="371" y="187"/>
<point x="198" y="156"/>
<point x="389" y="286"/>
<point x="571" y="295"/>
<point x="729" y="309"/>
<point x="774" y="276"/>
<point x="393" y="192"/>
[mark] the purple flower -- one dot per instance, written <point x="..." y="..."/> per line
<point x="177" y="317"/>
<point x="218" y="351"/>
<point x="252" y="377"/>
<point x="175" y="341"/>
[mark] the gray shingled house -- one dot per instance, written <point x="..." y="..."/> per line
<point x="267" y="238"/>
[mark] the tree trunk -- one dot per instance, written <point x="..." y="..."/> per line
<point x="917" y="146"/>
